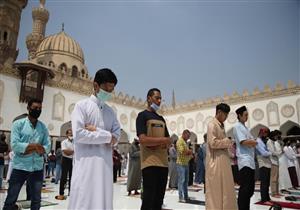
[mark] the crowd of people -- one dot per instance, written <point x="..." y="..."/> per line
<point x="89" y="162"/>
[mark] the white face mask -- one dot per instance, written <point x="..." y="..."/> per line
<point x="154" y="106"/>
<point x="103" y="95"/>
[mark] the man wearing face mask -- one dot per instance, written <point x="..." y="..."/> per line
<point x="264" y="163"/>
<point x="276" y="150"/>
<point x="154" y="139"/>
<point x="29" y="141"/>
<point x="66" y="163"/>
<point x="95" y="131"/>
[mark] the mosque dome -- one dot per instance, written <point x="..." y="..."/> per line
<point x="60" y="43"/>
<point x="63" y="54"/>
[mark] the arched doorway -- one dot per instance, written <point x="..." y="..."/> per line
<point x="63" y="129"/>
<point x="289" y="128"/>
<point x="123" y="144"/>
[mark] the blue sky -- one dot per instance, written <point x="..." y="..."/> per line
<point x="201" y="49"/>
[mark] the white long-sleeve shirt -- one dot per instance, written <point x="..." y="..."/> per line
<point x="276" y="150"/>
<point x="290" y="154"/>
<point x="92" y="177"/>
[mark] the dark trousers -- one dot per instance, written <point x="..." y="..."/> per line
<point x="18" y="177"/>
<point x="154" y="187"/>
<point x="67" y="166"/>
<point x="51" y="167"/>
<point x="247" y="185"/>
<point x="119" y="170"/>
<point x="115" y="173"/>
<point x="264" y="176"/>
<point x="293" y="176"/>
<point x="235" y="172"/>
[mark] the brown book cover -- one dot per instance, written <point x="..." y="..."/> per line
<point x="155" y="128"/>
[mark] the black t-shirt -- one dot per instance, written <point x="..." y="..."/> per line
<point x="143" y="117"/>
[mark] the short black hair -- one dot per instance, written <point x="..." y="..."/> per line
<point x="105" y="75"/>
<point x="272" y="135"/>
<point x="34" y="100"/>
<point x="151" y="92"/>
<point x="223" y="107"/>
<point x="277" y="133"/>
<point x="241" y="110"/>
<point x="186" y="131"/>
<point x="67" y="131"/>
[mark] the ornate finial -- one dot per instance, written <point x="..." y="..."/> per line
<point x="42" y="3"/>
<point x="62" y="27"/>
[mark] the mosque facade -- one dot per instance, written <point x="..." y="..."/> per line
<point x="55" y="72"/>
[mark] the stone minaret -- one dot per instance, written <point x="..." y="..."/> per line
<point x="40" y="18"/>
<point x="10" y="16"/>
<point x="173" y="99"/>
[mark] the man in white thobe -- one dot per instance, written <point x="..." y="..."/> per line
<point x="95" y="129"/>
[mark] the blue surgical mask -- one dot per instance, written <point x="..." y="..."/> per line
<point x="103" y="95"/>
<point x="154" y="106"/>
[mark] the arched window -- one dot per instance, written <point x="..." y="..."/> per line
<point x="74" y="71"/>
<point x="51" y="64"/>
<point x="82" y="73"/>
<point x="273" y="114"/>
<point x="63" y="67"/>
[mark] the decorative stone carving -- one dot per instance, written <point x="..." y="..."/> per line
<point x="273" y="115"/>
<point x="256" y="91"/>
<point x="173" y="126"/>
<point x="58" y="107"/>
<point x="245" y="93"/>
<point x="279" y="86"/>
<point x="133" y="117"/>
<point x="298" y="109"/>
<point x="226" y="96"/>
<point x="1" y="93"/>
<point x="258" y="114"/>
<point x="50" y="126"/>
<point x="291" y="84"/>
<point x="287" y="110"/>
<point x="190" y="123"/>
<point x="267" y="89"/>
<point x="199" y="123"/>
<point x="235" y="94"/>
<point x="232" y="118"/>
<point x="206" y="121"/>
<point x="180" y="124"/>
<point x="123" y="119"/>
<point x="71" y="108"/>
